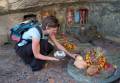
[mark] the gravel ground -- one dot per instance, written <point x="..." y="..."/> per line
<point x="13" y="70"/>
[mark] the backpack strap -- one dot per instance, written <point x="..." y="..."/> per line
<point x="40" y="31"/>
<point x="29" y="40"/>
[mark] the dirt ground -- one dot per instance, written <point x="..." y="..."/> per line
<point x="13" y="70"/>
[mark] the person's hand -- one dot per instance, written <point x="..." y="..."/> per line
<point x="74" y="55"/>
<point x="54" y="59"/>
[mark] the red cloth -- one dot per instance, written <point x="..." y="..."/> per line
<point x="15" y="38"/>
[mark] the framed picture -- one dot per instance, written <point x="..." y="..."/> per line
<point x="83" y="16"/>
<point x="70" y="15"/>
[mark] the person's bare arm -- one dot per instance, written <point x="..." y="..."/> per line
<point x="36" y="51"/>
<point x="59" y="46"/>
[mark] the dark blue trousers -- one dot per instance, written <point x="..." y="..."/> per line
<point x="26" y="54"/>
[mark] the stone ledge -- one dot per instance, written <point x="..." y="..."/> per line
<point x="116" y="39"/>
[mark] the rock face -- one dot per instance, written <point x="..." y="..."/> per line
<point x="105" y="14"/>
<point x="3" y="29"/>
<point x="107" y="17"/>
<point x="22" y="4"/>
<point x="3" y="4"/>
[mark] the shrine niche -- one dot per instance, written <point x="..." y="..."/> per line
<point x="76" y="16"/>
<point x="69" y="15"/>
<point x="77" y="21"/>
<point x="48" y="12"/>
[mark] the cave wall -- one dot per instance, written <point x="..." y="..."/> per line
<point x="104" y="14"/>
<point x="107" y="17"/>
<point x="3" y="28"/>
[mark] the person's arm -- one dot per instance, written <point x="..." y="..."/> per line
<point x="59" y="46"/>
<point x="36" y="51"/>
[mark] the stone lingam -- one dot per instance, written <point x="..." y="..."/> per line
<point x="102" y="66"/>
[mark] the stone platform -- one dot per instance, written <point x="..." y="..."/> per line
<point x="113" y="57"/>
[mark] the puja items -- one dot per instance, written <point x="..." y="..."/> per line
<point x="108" y="72"/>
<point x="90" y="57"/>
<point x="59" y="54"/>
<point x="96" y="61"/>
<point x="102" y="62"/>
<point x="93" y="70"/>
<point x="80" y="63"/>
<point x="69" y="46"/>
<point x="95" y="56"/>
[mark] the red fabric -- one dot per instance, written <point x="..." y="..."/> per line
<point x="15" y="38"/>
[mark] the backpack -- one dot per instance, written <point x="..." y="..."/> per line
<point x="18" y="30"/>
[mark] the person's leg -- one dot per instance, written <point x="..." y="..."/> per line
<point x="50" y="48"/>
<point x="45" y="49"/>
<point x="29" y="53"/>
<point x="37" y="64"/>
<point x="25" y="53"/>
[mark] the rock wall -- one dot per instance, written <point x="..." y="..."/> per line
<point x="6" y="23"/>
<point x="105" y="14"/>
<point x="3" y="28"/>
<point x="107" y="17"/>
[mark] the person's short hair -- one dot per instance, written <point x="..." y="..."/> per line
<point x="28" y="16"/>
<point x="50" y="21"/>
